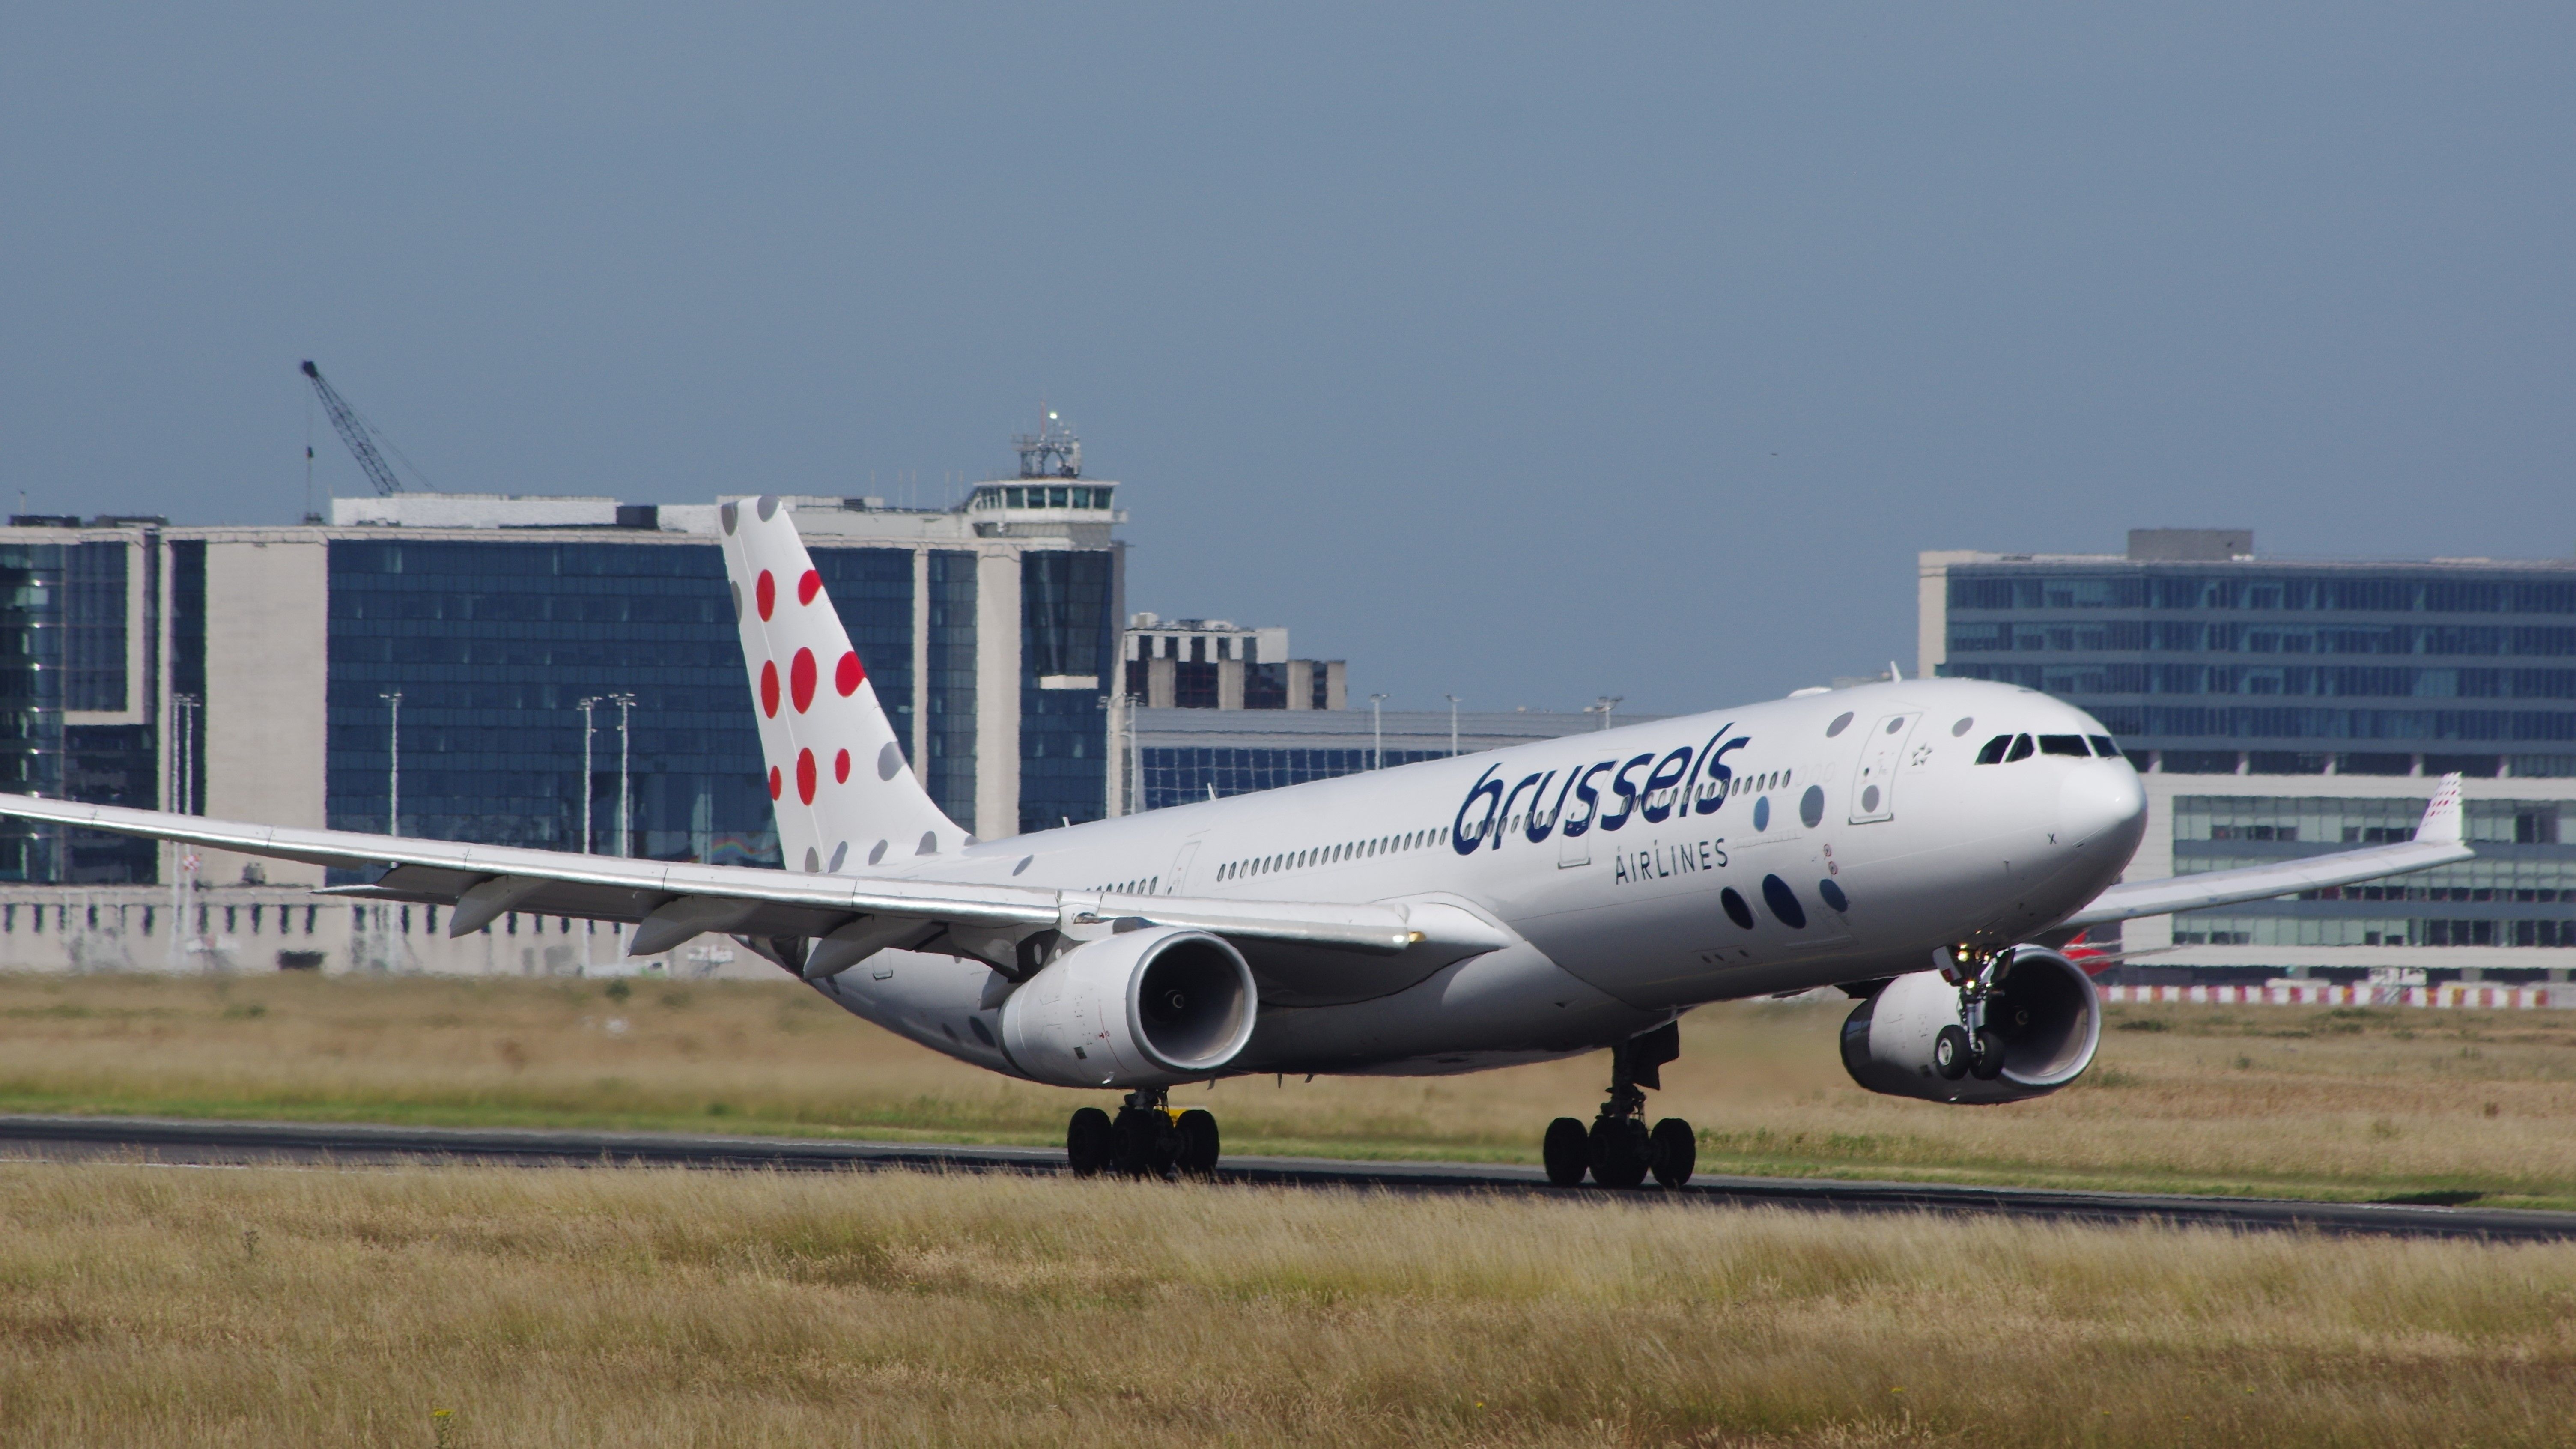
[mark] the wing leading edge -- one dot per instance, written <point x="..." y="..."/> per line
<point x="847" y="917"/>
<point x="2440" y="839"/>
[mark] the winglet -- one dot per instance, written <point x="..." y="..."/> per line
<point x="2444" y="820"/>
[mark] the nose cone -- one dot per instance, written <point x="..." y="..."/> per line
<point x="2103" y="810"/>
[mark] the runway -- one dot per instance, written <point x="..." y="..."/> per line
<point x="217" y="1143"/>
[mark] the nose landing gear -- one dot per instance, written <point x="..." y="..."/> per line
<point x="1146" y="1139"/>
<point x="1975" y="1049"/>
<point x="1618" y="1150"/>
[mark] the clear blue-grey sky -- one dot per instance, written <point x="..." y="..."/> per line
<point x="1526" y="354"/>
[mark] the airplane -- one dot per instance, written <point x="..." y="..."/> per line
<point x="1928" y="846"/>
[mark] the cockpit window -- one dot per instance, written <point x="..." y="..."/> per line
<point x="2063" y="745"/>
<point x="2021" y="749"/>
<point x="2102" y="746"/>
<point x="1993" y="753"/>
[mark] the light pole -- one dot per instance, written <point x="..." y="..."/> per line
<point x="1453" y="725"/>
<point x="1603" y="706"/>
<point x="393" y="774"/>
<point x="625" y="824"/>
<point x="183" y="858"/>
<point x="1377" y="734"/>
<point x="589" y="842"/>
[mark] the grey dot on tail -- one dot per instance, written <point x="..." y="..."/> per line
<point x="840" y="852"/>
<point x="729" y="514"/>
<point x="813" y="861"/>
<point x="877" y="853"/>
<point x="768" y="506"/>
<point x="889" y="760"/>
<point x="929" y="843"/>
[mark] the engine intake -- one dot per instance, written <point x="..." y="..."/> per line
<point x="2044" y="1008"/>
<point x="1145" y="1008"/>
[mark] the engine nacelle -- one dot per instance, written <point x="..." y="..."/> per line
<point x="1144" y="1008"/>
<point x="2045" y="1009"/>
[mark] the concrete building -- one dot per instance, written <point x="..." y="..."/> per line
<point x="1211" y="664"/>
<point x="262" y="673"/>
<point x="2281" y="707"/>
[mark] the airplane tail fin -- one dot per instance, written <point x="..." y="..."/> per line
<point x="844" y="795"/>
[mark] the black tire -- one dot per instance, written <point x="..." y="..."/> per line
<point x="1567" y="1151"/>
<point x="1673" y="1151"/>
<point x="1090" y="1143"/>
<point x="1200" y="1144"/>
<point x="1950" y="1053"/>
<point x="1987" y="1061"/>
<point x="1619" y="1149"/>
<point x="1136" y="1132"/>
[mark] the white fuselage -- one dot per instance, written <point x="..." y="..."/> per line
<point x="1829" y="837"/>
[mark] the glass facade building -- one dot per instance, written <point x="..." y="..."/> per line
<point x="252" y="672"/>
<point x="2334" y="693"/>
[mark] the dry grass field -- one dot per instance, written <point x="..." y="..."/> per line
<point x="2279" y="1101"/>
<point x="279" y="1307"/>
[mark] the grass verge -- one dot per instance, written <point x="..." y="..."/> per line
<point x="2335" y="1103"/>
<point x="154" y="1306"/>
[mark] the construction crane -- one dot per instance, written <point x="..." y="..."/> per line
<point x="355" y="431"/>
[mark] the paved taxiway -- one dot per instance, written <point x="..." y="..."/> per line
<point x="178" y="1141"/>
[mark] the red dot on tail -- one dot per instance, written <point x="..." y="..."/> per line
<point x="808" y="586"/>
<point x="769" y="688"/>
<point x="800" y="680"/>
<point x="777" y="787"/>
<point x="848" y="674"/>
<point x="805" y="776"/>
<point x="765" y="593"/>
<point x="841" y="768"/>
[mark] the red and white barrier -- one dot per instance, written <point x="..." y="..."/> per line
<point x="2318" y="993"/>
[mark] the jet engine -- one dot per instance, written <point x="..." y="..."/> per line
<point x="1916" y="1037"/>
<point x="1143" y="1008"/>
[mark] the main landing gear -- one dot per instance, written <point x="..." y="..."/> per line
<point x="1618" y="1150"/>
<point x="1146" y="1139"/>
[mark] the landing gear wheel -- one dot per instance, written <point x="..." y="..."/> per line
<point x="1199" y="1142"/>
<point x="1672" y="1150"/>
<point x="1148" y="1146"/>
<point x="1986" y="1061"/>
<point x="1090" y="1143"/>
<point x="1950" y="1053"/>
<point x="1619" y="1152"/>
<point x="1567" y="1151"/>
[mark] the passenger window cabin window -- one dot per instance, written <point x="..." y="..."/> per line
<point x="1993" y="753"/>
<point x="2102" y="746"/>
<point x="2063" y="745"/>
<point x="2021" y="749"/>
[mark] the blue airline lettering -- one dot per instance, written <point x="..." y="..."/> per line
<point x="1459" y="840"/>
<point x="1667" y="792"/>
<point x="1590" y="797"/>
<point x="1504" y="824"/>
<point x="1542" y="823"/>
<point x="1667" y="774"/>
<point x="1626" y="792"/>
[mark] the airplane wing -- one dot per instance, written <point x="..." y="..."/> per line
<point x="2440" y="839"/>
<point x="847" y="917"/>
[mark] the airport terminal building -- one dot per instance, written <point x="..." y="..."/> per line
<point x="262" y="673"/>
<point x="2282" y="707"/>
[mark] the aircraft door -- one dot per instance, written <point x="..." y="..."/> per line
<point x="1874" y="783"/>
<point x="1181" y="867"/>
